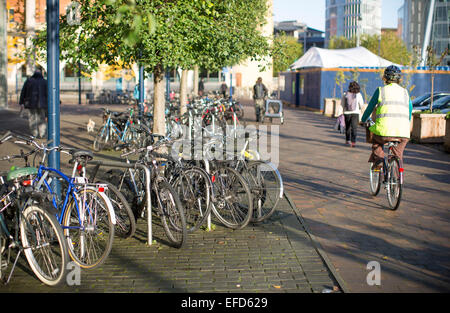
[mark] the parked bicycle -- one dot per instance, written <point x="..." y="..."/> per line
<point x="84" y="211"/>
<point x="28" y="226"/>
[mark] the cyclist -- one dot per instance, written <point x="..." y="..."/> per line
<point x="393" y="109"/>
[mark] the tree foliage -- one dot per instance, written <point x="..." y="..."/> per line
<point x="287" y="50"/>
<point x="390" y="47"/>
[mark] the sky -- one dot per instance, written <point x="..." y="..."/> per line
<point x="312" y="12"/>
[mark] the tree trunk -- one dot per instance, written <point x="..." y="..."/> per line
<point x="432" y="90"/>
<point x="183" y="92"/>
<point x="30" y="29"/>
<point x="159" y="107"/>
<point x="195" y="92"/>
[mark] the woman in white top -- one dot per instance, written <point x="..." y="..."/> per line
<point x="352" y="103"/>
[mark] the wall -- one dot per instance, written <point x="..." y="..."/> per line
<point x="320" y="84"/>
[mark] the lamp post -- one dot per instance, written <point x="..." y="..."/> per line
<point x="53" y="80"/>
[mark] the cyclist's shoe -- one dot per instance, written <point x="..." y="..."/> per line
<point x="353" y="144"/>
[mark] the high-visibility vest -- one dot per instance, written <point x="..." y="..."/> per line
<point x="392" y="112"/>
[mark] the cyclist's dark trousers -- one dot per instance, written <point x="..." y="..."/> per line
<point x="351" y="126"/>
<point x="377" y="147"/>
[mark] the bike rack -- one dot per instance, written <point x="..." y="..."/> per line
<point x="99" y="163"/>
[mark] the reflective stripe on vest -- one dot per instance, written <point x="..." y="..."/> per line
<point x="392" y="113"/>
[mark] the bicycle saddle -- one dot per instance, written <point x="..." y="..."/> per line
<point x="82" y="154"/>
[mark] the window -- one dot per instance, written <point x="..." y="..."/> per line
<point x="11" y="15"/>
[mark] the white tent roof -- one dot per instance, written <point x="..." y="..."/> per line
<point x="332" y="58"/>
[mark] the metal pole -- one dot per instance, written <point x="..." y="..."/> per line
<point x="141" y="90"/>
<point x="426" y="40"/>
<point x="167" y="85"/>
<point x="53" y="80"/>
<point x="3" y="56"/>
<point x="79" y="82"/>
<point x="231" y="86"/>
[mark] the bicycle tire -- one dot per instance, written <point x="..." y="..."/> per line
<point x="266" y="186"/>
<point x="230" y="210"/>
<point x="48" y="256"/>
<point x="101" y="233"/>
<point x="374" y="180"/>
<point x="100" y="139"/>
<point x="3" y="262"/>
<point x="125" y="221"/>
<point x="195" y="195"/>
<point x="394" y="184"/>
<point x="171" y="213"/>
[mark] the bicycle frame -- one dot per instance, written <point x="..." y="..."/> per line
<point x="111" y="126"/>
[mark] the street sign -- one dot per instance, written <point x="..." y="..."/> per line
<point x="73" y="13"/>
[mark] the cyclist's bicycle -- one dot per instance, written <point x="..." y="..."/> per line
<point x="390" y="174"/>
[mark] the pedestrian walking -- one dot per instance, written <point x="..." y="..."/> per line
<point x="352" y="103"/>
<point x="223" y="90"/>
<point x="201" y="87"/>
<point x="259" y="96"/>
<point x="33" y="98"/>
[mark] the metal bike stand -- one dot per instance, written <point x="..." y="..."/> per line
<point x="99" y="163"/>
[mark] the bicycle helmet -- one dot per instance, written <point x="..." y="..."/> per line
<point x="392" y="74"/>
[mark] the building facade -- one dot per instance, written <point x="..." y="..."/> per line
<point x="413" y="18"/>
<point x="309" y="37"/>
<point x="352" y="18"/>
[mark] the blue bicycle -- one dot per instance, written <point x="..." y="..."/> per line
<point x="83" y="210"/>
<point x="27" y="225"/>
<point x="120" y="128"/>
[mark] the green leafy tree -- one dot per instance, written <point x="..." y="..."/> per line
<point x="387" y="46"/>
<point x="162" y="34"/>
<point x="341" y="43"/>
<point x="287" y="50"/>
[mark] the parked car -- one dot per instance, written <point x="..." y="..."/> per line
<point x="442" y="105"/>
<point x="422" y="103"/>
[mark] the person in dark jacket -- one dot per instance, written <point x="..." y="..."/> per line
<point x="259" y="95"/>
<point x="33" y="97"/>
<point x="201" y="88"/>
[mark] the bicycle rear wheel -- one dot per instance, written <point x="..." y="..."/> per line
<point x="171" y="213"/>
<point x="374" y="180"/>
<point x="44" y="245"/>
<point x="193" y="187"/>
<point x="233" y="205"/>
<point x="125" y="221"/>
<point x="90" y="242"/>
<point x="394" y="184"/>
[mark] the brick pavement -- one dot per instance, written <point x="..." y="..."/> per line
<point x="275" y="256"/>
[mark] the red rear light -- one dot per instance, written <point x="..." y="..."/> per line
<point x="400" y="169"/>
<point x="27" y="182"/>
<point x="213" y="178"/>
<point x="101" y="189"/>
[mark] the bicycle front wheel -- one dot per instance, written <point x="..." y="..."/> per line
<point x="101" y="138"/>
<point x="88" y="228"/>
<point x="264" y="182"/>
<point x="395" y="184"/>
<point x="44" y="245"/>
